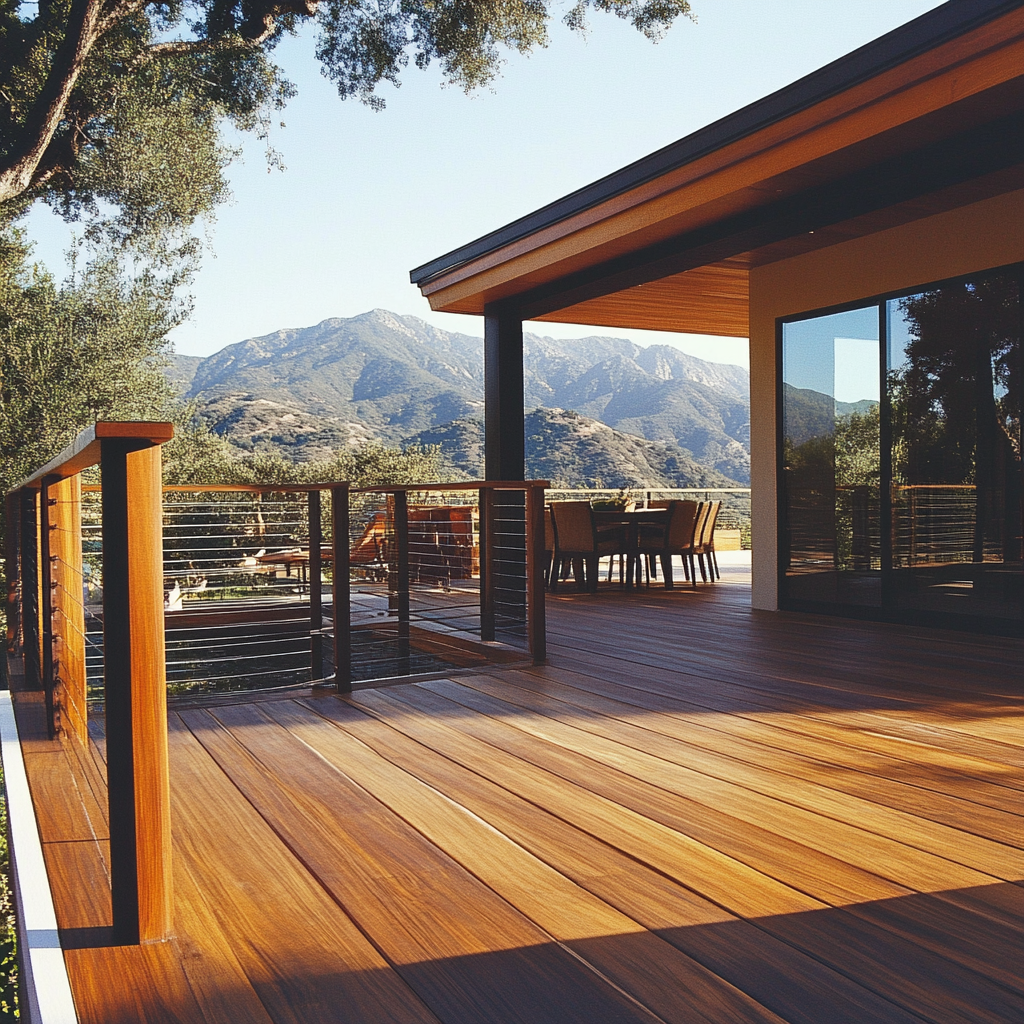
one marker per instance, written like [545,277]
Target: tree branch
[46,113]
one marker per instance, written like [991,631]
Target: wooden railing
[47,617]
[44,568]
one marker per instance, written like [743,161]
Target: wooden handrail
[460,485]
[86,449]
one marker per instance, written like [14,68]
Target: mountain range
[398,379]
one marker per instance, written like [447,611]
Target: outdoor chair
[704,543]
[577,539]
[676,537]
[549,543]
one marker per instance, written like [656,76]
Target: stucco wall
[977,237]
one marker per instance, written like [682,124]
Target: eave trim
[927,32]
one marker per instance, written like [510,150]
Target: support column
[504,427]
[69,608]
[136,691]
[505,459]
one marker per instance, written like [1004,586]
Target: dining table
[632,520]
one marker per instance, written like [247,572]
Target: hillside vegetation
[572,450]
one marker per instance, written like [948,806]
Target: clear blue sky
[368,196]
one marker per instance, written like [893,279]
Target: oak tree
[110,109]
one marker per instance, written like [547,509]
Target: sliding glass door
[900,476]
[830,440]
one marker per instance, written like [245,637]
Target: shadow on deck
[692,812]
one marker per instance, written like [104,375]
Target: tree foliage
[109,109]
[956,397]
[70,354]
[198,456]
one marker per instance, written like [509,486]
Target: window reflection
[945,535]
[831,463]
[954,386]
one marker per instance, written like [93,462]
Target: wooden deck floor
[693,813]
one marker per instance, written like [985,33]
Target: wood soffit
[707,300]
[973,79]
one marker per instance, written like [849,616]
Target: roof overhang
[926,118]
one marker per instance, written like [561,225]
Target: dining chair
[676,537]
[577,538]
[549,543]
[704,543]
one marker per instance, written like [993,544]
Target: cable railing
[936,524]
[932,525]
[246,607]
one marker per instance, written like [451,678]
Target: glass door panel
[954,386]
[830,548]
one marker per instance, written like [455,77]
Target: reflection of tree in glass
[857,449]
[833,483]
[956,400]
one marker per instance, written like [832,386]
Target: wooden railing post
[341,595]
[47,584]
[487,535]
[30,587]
[316,617]
[136,691]
[402,545]
[12,568]
[536,627]
[68,607]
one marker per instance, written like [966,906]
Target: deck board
[693,812]
[803,787]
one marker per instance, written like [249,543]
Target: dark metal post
[341,594]
[886,522]
[504,443]
[536,623]
[486,563]
[46,599]
[402,544]
[505,459]
[316,617]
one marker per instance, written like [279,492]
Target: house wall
[976,237]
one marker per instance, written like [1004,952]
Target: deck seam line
[739,682]
[773,727]
[372,713]
[906,1007]
[752,921]
[624,853]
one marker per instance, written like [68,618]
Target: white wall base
[44,989]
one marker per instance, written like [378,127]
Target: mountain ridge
[384,376]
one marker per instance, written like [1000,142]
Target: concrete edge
[44,988]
